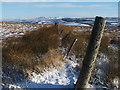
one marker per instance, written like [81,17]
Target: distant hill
[111,21]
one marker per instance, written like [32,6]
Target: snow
[95,86]
[59,77]
[98,78]
[84,25]
[72,23]
[16,29]
[115,47]
[116,82]
[13,86]
[76,24]
[64,76]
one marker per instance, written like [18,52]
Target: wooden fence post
[71,46]
[91,53]
[56,27]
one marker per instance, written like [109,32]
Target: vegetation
[32,50]
[41,48]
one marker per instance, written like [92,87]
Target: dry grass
[39,49]
[35,49]
[80,49]
[19,23]
[112,70]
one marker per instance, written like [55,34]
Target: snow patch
[54,77]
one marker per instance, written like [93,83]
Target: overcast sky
[12,10]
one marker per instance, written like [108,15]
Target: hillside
[33,56]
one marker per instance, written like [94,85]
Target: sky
[59,0]
[12,10]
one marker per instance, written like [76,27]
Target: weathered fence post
[56,27]
[91,53]
[71,46]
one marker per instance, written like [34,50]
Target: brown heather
[39,49]
[29,51]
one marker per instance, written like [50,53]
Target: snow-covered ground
[111,21]
[16,29]
[76,24]
[64,76]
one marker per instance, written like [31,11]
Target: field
[32,51]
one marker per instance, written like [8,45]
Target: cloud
[59,0]
[26,0]
[68,5]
